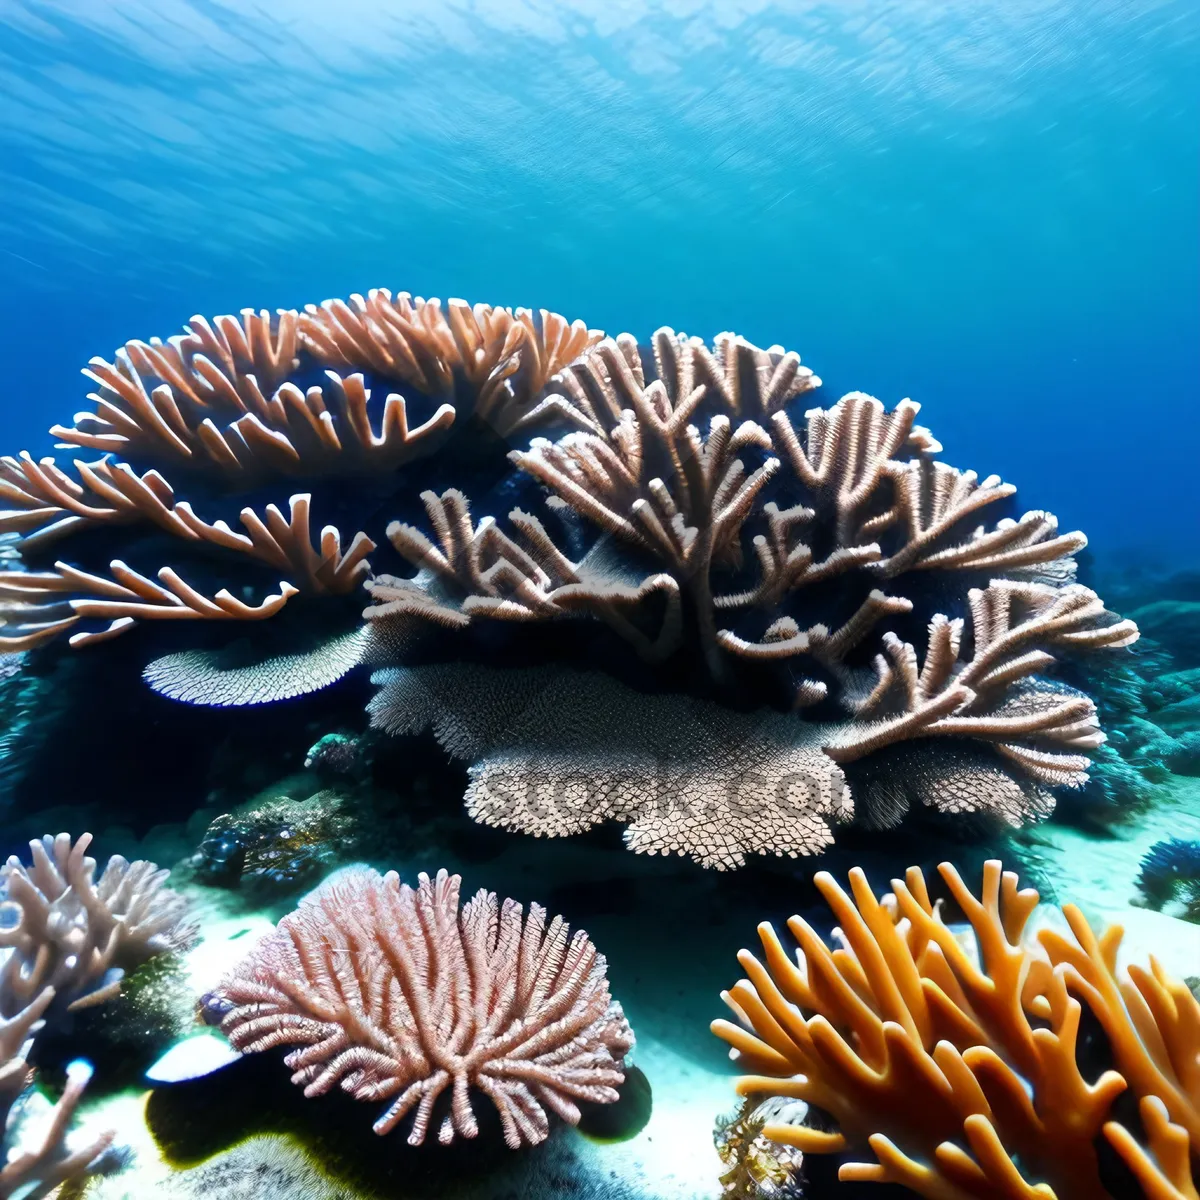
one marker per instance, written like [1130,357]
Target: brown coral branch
[849,451]
[506,357]
[933,500]
[46,603]
[496,577]
[223,404]
[1010,622]
[395,995]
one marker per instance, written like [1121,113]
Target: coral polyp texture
[887,624]
[397,995]
[1004,1067]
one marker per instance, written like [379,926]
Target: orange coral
[958,1072]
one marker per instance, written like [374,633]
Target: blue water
[989,207]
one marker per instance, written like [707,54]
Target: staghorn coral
[30,1171]
[244,403]
[699,537]
[757,563]
[959,1071]
[397,995]
[76,935]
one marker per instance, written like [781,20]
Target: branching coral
[397,995]
[34,1171]
[243,403]
[959,1073]
[755,563]
[66,939]
[692,521]
[77,935]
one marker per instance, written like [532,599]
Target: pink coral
[395,994]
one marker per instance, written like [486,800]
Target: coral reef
[1170,876]
[752,565]
[66,940]
[278,843]
[395,994]
[957,1070]
[701,537]
[66,931]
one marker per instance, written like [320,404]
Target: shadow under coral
[194,1121]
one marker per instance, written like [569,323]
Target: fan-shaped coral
[956,1071]
[396,995]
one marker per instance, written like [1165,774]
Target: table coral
[679,518]
[956,1071]
[397,995]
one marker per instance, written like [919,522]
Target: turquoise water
[988,207]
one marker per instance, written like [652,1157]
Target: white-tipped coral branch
[238,433]
[395,995]
[990,697]
[37,1169]
[480,572]
[506,356]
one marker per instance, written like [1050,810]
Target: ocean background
[989,207]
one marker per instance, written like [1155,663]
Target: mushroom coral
[962,1069]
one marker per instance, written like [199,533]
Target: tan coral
[958,1074]
[395,995]
[1043,730]
[506,356]
[41,605]
[238,433]
[499,578]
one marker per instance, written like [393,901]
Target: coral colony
[958,1074]
[816,584]
[655,585]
